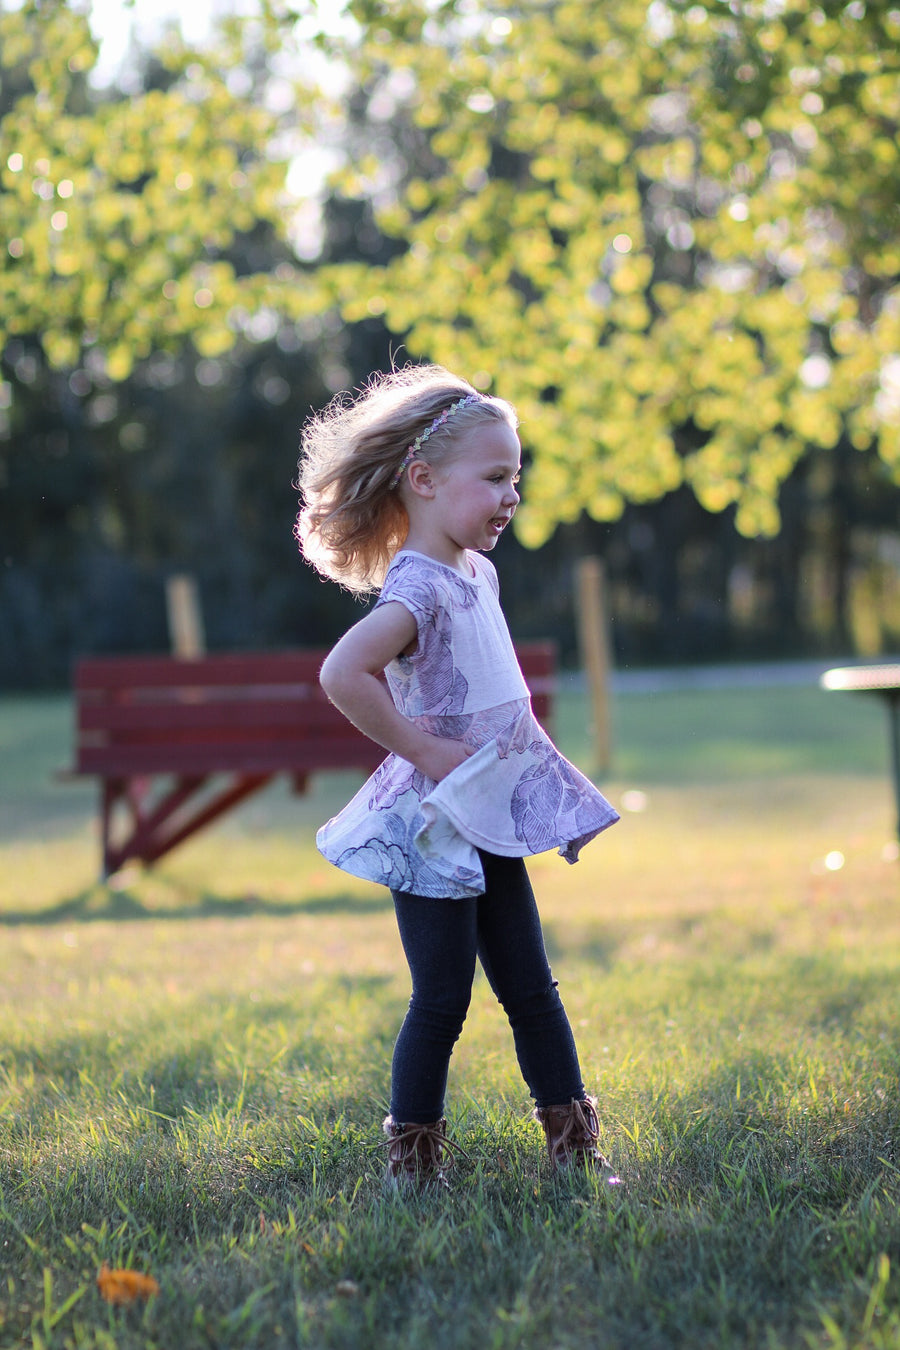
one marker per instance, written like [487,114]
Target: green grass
[195,1062]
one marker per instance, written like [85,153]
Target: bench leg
[112,791]
[241,787]
[132,794]
[154,829]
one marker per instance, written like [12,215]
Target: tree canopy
[119,212]
[667,232]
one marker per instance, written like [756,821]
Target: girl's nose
[512,495]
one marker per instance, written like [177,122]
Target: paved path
[759,675]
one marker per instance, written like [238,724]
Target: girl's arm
[349,677]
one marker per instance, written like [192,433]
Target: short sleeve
[409,586]
[428,681]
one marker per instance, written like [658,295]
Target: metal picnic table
[881,680]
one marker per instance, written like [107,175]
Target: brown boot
[418,1155]
[572,1132]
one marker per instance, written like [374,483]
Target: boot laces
[580,1131]
[420,1148]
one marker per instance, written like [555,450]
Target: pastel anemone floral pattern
[515,795]
[392,857]
[545,794]
[429,681]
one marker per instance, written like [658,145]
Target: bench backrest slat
[253,712]
[226,718]
[237,670]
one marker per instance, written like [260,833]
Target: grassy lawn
[194,1064]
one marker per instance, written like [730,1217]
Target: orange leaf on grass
[124,1286]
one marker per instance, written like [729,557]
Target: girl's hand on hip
[439,757]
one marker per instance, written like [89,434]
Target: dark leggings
[441,939]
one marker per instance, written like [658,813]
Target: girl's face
[475,490]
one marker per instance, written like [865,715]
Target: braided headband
[438,422]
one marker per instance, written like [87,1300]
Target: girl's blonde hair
[352,519]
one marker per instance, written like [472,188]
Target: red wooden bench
[176,743]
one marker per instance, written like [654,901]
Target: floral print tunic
[515,795]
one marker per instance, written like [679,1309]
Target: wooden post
[593,643]
[186,634]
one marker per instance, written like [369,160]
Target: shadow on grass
[167,1069]
[102,903]
[783,1160]
[734,1230]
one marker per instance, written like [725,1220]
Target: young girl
[405,488]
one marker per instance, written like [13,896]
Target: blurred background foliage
[668,232]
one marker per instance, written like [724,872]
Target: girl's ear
[420,478]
